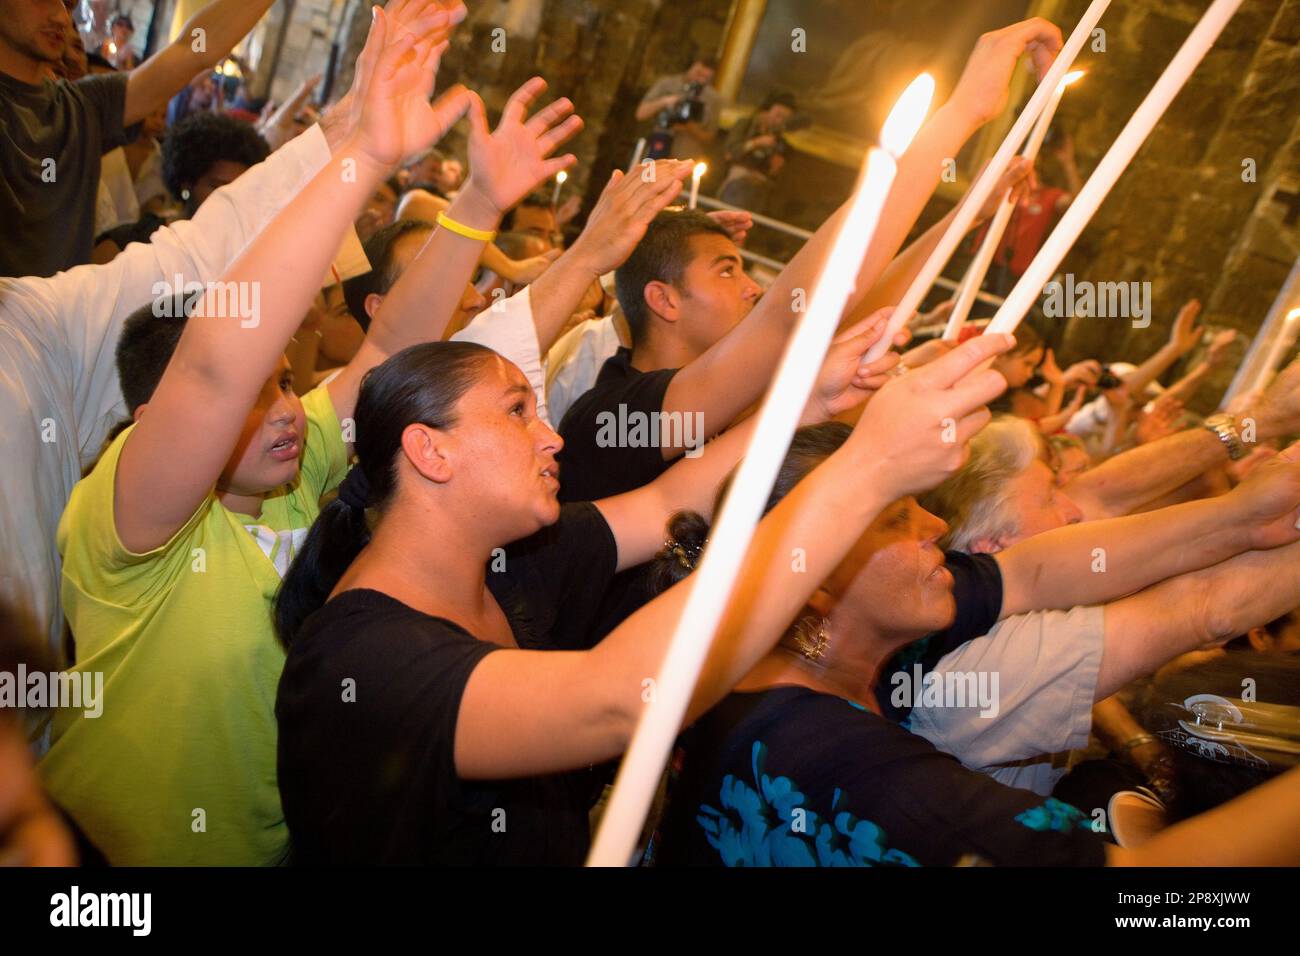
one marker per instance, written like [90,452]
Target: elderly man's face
[1036,505]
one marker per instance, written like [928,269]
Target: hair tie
[355,489]
[685,555]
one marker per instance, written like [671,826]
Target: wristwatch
[1225,427]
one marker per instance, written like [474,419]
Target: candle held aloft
[1112,166]
[560,178]
[696,175]
[733,529]
[984,183]
[979,267]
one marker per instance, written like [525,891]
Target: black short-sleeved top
[591,467]
[367,711]
[977,592]
[794,777]
[51,139]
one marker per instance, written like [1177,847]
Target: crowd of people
[306,419]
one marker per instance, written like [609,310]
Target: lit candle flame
[700,169]
[908,114]
[1069,78]
[561,177]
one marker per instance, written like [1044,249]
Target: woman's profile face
[504,455]
[894,578]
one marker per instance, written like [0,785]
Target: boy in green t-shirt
[174,545]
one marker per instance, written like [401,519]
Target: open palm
[507,163]
[395,77]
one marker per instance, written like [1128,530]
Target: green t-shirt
[180,767]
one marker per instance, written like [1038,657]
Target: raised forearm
[1130,479]
[556,295]
[1099,561]
[1152,369]
[221,24]
[421,304]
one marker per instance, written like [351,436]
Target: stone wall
[1197,212]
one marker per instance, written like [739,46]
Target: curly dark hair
[201,140]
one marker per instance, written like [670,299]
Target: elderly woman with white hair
[1006,497]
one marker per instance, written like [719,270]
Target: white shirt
[59,392]
[574,363]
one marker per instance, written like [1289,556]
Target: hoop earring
[812,637]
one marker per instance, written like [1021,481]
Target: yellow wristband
[463,230]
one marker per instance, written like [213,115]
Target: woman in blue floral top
[797,767]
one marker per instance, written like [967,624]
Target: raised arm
[638,518]
[1132,478]
[1192,611]
[226,355]
[526,713]
[505,164]
[1183,337]
[205,40]
[731,375]
[1099,561]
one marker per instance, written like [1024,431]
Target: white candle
[1112,165]
[1267,349]
[696,175]
[979,267]
[560,177]
[983,185]
[636,156]
[734,528]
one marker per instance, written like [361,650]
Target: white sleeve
[1042,668]
[574,362]
[507,327]
[83,309]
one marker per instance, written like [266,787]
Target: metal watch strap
[1225,429]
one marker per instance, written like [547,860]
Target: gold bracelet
[461,229]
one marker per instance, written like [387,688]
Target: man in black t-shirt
[682,291]
[53,132]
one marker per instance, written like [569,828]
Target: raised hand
[1267,502]
[507,163]
[846,380]
[390,114]
[1186,334]
[737,222]
[918,425]
[981,92]
[626,207]
[1017,177]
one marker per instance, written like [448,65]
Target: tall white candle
[979,267]
[560,178]
[1112,165]
[636,156]
[696,175]
[734,528]
[984,183]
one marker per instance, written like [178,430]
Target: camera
[689,109]
[1108,379]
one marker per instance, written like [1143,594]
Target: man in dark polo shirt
[53,132]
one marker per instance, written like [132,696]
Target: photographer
[685,109]
[756,152]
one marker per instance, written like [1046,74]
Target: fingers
[970,425]
[478,122]
[551,140]
[554,166]
[979,388]
[517,106]
[946,370]
[871,326]
[369,58]
[549,115]
[452,105]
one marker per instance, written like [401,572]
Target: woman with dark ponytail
[441,673]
